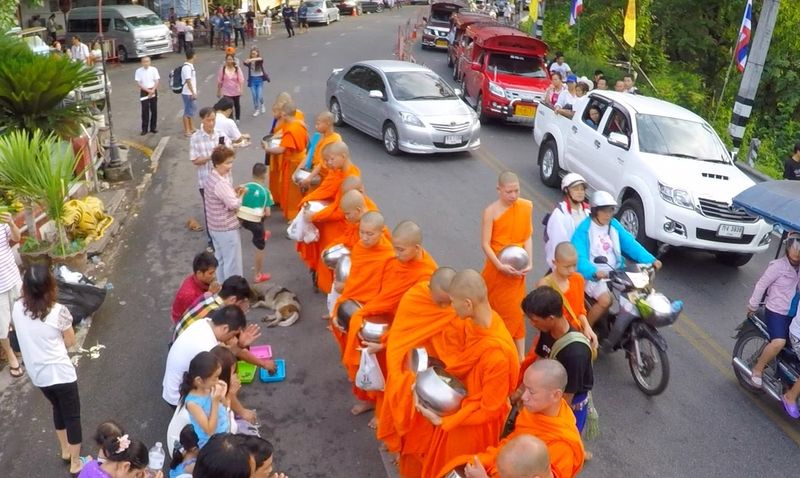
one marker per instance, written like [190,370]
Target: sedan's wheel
[390,139]
[379,8]
[548,164]
[122,53]
[336,111]
[631,216]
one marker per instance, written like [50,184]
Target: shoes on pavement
[154,131]
[256,113]
[143,133]
[263,108]
[262,277]
[267,235]
[790,407]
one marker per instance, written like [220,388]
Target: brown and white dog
[283,304]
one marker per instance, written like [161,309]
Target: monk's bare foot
[373,423]
[325,317]
[588,455]
[362,407]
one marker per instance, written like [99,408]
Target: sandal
[757,380]
[791,408]
[19,371]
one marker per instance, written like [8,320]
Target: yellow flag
[629,33]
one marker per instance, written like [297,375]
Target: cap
[588,82]
[572,78]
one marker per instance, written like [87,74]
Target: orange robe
[513,227]
[559,433]
[316,159]
[573,296]
[488,367]
[276,162]
[295,140]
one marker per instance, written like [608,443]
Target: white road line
[342,34]
[314,54]
[179,114]
[327,43]
[297,89]
[305,68]
[209,77]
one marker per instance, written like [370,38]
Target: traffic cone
[355,11]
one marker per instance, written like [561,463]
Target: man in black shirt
[791,168]
[557,340]
[288,15]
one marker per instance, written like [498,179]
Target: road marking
[342,34]
[297,89]
[179,114]
[714,353]
[138,146]
[327,43]
[209,77]
[314,54]
[305,68]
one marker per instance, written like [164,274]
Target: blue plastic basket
[280,373]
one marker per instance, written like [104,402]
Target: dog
[281,301]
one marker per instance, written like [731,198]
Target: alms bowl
[439,391]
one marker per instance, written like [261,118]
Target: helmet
[572,179]
[602,199]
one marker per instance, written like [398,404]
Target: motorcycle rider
[566,216]
[601,235]
[780,283]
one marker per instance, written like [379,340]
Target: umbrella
[776,201]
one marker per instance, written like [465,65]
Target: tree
[8,12]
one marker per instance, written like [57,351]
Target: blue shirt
[302,12]
[204,402]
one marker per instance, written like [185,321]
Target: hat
[588,82]
[572,78]
[223,104]
[230,50]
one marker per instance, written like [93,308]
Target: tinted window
[150,20]
[374,82]
[120,25]
[520,65]
[357,76]
[86,25]
[617,123]
[418,85]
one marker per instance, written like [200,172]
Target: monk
[274,161]
[424,318]
[292,149]
[488,367]
[544,414]
[507,222]
[323,124]
[524,456]
[411,264]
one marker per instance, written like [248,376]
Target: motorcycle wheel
[652,378]
[748,348]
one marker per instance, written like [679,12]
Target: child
[257,197]
[124,457]
[105,432]
[185,455]
[204,396]
[201,280]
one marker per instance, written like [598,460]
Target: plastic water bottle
[156,457]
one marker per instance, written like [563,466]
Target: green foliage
[31,245]
[8,9]
[33,89]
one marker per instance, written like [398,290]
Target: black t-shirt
[575,357]
[791,169]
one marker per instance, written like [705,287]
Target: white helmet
[571,179]
[602,199]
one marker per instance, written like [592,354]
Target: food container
[417,360]
[514,256]
[261,351]
[278,376]
[331,255]
[254,202]
[300,174]
[271,141]
[246,371]
[439,391]
[345,311]
[375,328]
[316,206]
[457,472]
[342,270]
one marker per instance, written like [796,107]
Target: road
[703,425]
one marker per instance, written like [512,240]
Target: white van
[137,31]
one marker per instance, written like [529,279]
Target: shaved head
[351,183]
[565,250]
[339,147]
[524,457]
[353,206]
[288,108]
[370,228]
[550,373]
[408,232]
[373,219]
[469,284]
[325,116]
[440,285]
[507,177]
[282,98]
[543,387]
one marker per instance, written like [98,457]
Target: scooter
[636,313]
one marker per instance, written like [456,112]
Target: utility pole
[745,99]
[539,28]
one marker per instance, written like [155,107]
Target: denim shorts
[189,105]
[777,324]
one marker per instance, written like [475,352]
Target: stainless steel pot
[345,311]
[331,255]
[300,174]
[375,328]
[342,270]
[439,391]
[514,256]
[457,472]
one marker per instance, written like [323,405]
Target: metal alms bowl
[331,255]
[439,391]
[345,311]
[457,472]
[300,174]
[375,328]
[514,256]
[419,359]
[316,206]
[342,270]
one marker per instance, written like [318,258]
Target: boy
[260,236]
[302,18]
[200,281]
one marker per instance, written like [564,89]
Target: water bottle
[156,457]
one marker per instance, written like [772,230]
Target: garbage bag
[82,300]
[369,376]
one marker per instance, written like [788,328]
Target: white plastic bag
[369,376]
[301,230]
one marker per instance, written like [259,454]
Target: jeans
[257,91]
[228,251]
[66,409]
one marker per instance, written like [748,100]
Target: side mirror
[619,140]
[457,91]
[475,66]
[601,260]
[376,94]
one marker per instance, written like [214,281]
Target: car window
[144,21]
[374,82]
[419,85]
[519,65]
[120,25]
[678,137]
[357,76]
[329,4]
[600,106]
[617,123]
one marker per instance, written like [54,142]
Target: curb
[155,158]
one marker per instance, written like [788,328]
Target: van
[136,30]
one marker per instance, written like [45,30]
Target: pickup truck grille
[523,95]
[724,211]
[450,128]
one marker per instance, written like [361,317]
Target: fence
[406,36]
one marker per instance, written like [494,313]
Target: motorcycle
[636,313]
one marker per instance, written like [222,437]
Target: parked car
[322,11]
[668,169]
[408,106]
[437,23]
[349,7]
[458,24]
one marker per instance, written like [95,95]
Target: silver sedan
[408,106]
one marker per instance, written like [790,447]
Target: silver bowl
[418,360]
[439,391]
[316,206]
[375,328]
[514,256]
[457,472]
[345,311]
[342,270]
[300,174]
[331,255]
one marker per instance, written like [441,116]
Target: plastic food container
[246,371]
[280,373]
[262,351]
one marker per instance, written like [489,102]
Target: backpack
[176,80]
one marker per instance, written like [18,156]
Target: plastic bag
[300,230]
[369,376]
[82,300]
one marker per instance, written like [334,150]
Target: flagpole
[724,87]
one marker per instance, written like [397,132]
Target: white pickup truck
[671,174]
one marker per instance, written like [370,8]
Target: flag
[575,11]
[743,43]
[629,34]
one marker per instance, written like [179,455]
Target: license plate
[452,139]
[525,110]
[726,230]
[441,43]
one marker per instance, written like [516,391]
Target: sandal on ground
[757,380]
[790,407]
[262,277]
[16,372]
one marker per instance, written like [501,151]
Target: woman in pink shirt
[230,82]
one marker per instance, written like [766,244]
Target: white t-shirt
[566,98]
[42,345]
[80,52]
[188,75]
[199,337]
[601,244]
[189,33]
[561,69]
[146,77]
[227,126]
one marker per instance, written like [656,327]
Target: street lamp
[113,148]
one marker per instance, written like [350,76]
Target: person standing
[189,93]
[52,29]
[79,51]
[215,26]
[201,145]
[250,22]
[256,74]
[180,29]
[302,18]
[791,168]
[10,281]
[44,330]
[147,78]
[238,28]
[560,66]
[230,82]
[288,14]
[222,201]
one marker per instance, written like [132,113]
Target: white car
[321,11]
[668,169]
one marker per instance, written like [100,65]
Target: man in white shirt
[225,125]
[147,79]
[79,51]
[189,93]
[566,99]
[560,66]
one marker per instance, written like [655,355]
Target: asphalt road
[703,425]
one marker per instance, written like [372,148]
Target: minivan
[136,30]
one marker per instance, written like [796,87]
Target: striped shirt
[199,310]
[202,145]
[221,203]
[9,272]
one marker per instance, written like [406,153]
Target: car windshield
[419,85]
[519,65]
[680,138]
[313,4]
[144,21]
[441,16]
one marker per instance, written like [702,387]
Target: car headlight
[429,31]
[678,197]
[410,119]
[497,90]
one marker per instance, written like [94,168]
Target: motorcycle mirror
[601,260]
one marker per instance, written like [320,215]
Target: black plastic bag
[82,300]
